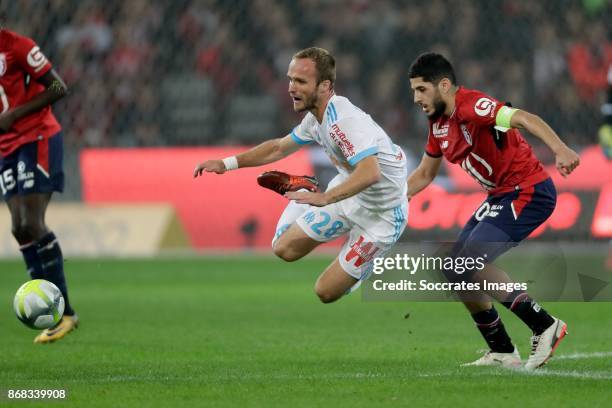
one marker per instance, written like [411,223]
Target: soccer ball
[39,304]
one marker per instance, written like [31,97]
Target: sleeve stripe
[331,113]
[362,155]
[333,108]
[297,140]
[504,115]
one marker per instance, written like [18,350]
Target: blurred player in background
[31,159]
[481,134]
[366,200]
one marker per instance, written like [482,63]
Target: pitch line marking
[580,356]
[590,375]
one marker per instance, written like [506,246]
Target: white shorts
[370,234]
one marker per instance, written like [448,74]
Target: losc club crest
[2,64]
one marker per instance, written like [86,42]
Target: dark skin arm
[55,90]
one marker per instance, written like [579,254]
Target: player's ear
[325,86]
[444,85]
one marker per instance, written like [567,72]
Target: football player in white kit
[367,199]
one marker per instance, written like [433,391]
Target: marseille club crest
[2,63]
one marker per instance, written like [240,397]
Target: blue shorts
[35,167]
[502,221]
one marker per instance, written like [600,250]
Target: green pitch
[249,331]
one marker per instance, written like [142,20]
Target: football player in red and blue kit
[31,161]
[480,133]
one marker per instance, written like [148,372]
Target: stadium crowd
[147,73]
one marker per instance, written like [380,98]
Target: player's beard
[439,107]
[310,103]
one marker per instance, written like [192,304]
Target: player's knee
[22,232]
[27,231]
[327,297]
[285,252]
[17,232]
[325,294]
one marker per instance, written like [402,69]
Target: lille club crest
[2,64]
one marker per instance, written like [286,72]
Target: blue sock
[51,263]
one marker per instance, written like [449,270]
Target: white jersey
[349,135]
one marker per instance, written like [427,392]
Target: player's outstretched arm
[566,159]
[55,90]
[424,174]
[366,173]
[264,153]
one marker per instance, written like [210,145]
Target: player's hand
[566,161]
[306,197]
[209,166]
[6,121]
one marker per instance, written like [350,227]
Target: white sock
[292,212]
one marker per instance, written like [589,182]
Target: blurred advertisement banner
[438,214]
[602,219]
[107,230]
[232,211]
[218,211]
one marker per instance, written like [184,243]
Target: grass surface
[249,331]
